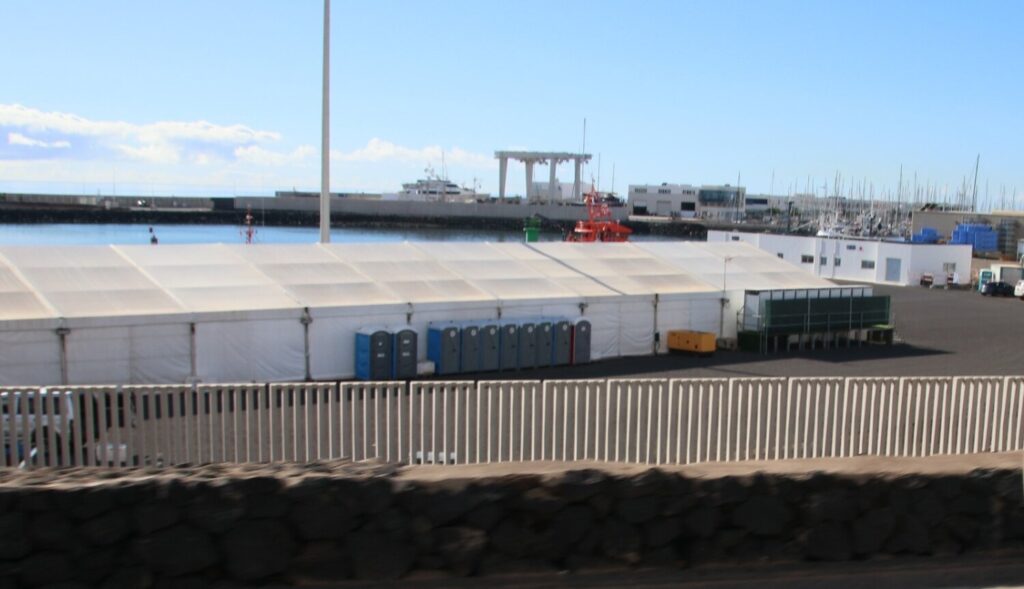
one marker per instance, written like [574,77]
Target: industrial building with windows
[720,203]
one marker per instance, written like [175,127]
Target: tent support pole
[192,352]
[306,319]
[62,333]
[657,337]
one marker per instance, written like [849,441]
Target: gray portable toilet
[470,354]
[490,347]
[405,351]
[561,342]
[581,341]
[527,344]
[509,345]
[443,348]
[544,342]
[373,354]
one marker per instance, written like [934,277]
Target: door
[892,269]
[664,208]
[380,355]
[490,352]
[470,348]
[405,354]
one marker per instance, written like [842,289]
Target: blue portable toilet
[443,347]
[373,354]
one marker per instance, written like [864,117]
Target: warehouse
[258,313]
[863,260]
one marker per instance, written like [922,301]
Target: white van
[1018,291]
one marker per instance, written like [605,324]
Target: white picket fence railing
[646,421]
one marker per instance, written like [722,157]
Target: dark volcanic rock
[662,531]
[764,516]
[379,557]
[621,541]
[513,539]
[257,549]
[106,529]
[872,530]
[14,542]
[461,548]
[828,541]
[320,520]
[569,526]
[45,568]
[178,550]
[50,530]
[150,517]
[702,521]
[320,562]
[637,510]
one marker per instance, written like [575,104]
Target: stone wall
[278,524]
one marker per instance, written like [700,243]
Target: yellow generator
[693,342]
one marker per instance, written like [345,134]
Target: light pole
[724,300]
[325,141]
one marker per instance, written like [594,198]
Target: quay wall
[286,524]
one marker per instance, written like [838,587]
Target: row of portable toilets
[473,346]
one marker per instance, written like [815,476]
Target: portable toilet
[985,276]
[490,347]
[373,354]
[544,342]
[469,342]
[508,345]
[443,347]
[561,342]
[581,341]
[404,351]
[527,344]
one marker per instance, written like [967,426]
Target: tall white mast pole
[325,144]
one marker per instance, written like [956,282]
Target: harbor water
[139,234]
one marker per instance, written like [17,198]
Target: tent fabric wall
[129,309]
[255,350]
[133,354]
[29,357]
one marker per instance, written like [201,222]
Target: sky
[192,97]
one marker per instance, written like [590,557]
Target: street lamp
[724,300]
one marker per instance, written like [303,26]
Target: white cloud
[154,153]
[19,139]
[16,115]
[254,154]
[379,150]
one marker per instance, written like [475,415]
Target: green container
[531,230]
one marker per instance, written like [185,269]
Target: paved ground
[944,333]
[902,573]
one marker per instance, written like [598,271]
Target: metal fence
[647,421]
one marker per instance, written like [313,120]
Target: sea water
[139,234]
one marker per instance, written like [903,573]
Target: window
[640,190]
[949,267]
[823,261]
[664,191]
[781,257]
[867,264]
[806,259]
[735,237]
[836,261]
[687,206]
[851,247]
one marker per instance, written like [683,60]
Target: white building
[687,201]
[861,260]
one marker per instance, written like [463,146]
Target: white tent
[219,313]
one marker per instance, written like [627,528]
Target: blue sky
[223,97]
